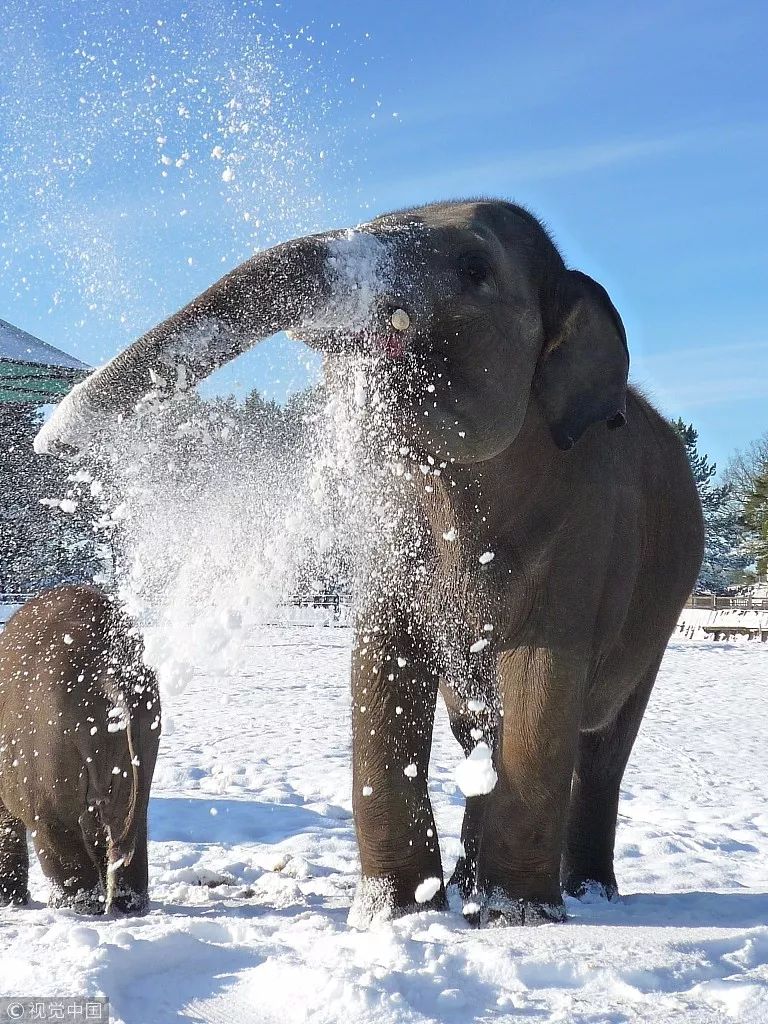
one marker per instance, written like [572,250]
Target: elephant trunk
[277,289]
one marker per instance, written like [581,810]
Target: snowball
[68,639]
[367,790]
[450,535]
[410,771]
[476,705]
[476,775]
[486,557]
[427,889]
[479,645]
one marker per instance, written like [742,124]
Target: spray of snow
[218,516]
[360,266]
[220,132]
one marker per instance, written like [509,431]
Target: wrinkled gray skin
[513,373]
[70,667]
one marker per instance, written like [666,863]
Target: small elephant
[548,523]
[79,733]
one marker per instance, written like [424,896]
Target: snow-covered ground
[253,866]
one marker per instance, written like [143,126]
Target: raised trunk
[274,290]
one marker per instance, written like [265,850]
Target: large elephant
[557,552]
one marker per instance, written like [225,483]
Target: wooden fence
[713,602]
[716,602]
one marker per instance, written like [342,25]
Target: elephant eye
[474,270]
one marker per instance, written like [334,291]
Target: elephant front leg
[393,708]
[526,815]
[471,722]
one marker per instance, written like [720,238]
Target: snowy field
[253,867]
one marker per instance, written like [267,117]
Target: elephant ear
[581,377]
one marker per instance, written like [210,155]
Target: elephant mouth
[389,345]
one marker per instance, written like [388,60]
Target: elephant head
[466,308]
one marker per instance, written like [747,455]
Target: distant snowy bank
[692,620]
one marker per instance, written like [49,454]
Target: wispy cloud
[705,353]
[561,161]
[703,376]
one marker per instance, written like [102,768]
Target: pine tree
[724,549]
[756,517]
[40,544]
[747,474]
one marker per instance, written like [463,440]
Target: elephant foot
[463,881]
[498,910]
[84,901]
[381,899]
[460,901]
[463,897]
[590,890]
[14,897]
[128,901]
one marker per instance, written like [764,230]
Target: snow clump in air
[476,776]
[427,889]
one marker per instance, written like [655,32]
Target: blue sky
[148,147]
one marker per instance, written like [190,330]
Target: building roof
[32,371]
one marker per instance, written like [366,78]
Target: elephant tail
[123,813]
[121,847]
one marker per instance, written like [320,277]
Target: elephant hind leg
[70,867]
[96,842]
[587,864]
[14,860]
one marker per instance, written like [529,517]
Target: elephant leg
[96,842]
[69,866]
[469,727]
[525,820]
[14,860]
[128,885]
[587,865]
[393,708]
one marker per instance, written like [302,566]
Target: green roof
[33,371]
